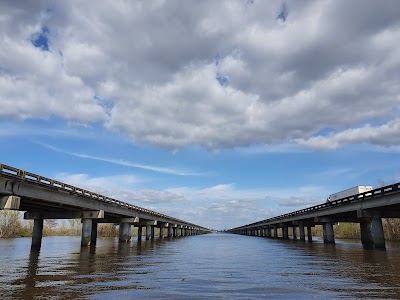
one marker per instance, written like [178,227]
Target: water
[213,266]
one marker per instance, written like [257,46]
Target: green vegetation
[10,224]
[391,228]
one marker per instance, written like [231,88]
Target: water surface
[212,266]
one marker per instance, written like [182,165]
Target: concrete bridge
[367,209]
[44,198]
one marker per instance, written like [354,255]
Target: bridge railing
[389,189]
[44,181]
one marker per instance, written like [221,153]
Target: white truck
[349,192]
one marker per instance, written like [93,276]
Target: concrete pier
[294,233]
[37,233]
[285,230]
[309,234]
[139,232]
[302,233]
[93,239]
[170,231]
[328,233]
[377,233]
[366,234]
[125,232]
[275,232]
[148,232]
[86,232]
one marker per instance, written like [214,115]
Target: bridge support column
[86,232]
[275,232]
[294,233]
[161,236]
[285,230]
[267,232]
[377,233]
[93,237]
[302,233]
[366,234]
[328,233]
[309,234]
[139,232]
[124,232]
[148,232]
[170,231]
[37,233]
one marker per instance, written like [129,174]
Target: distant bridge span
[367,208]
[44,198]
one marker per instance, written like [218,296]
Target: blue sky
[220,113]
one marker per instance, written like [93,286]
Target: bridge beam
[10,202]
[93,214]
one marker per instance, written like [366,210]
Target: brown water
[213,266]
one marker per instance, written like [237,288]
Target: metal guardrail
[389,189]
[44,181]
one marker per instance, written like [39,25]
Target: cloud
[330,66]
[385,135]
[123,162]
[216,206]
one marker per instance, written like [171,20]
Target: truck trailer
[349,192]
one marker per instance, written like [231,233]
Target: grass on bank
[12,225]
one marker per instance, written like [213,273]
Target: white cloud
[385,135]
[216,206]
[332,65]
[124,162]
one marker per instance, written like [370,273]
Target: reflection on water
[214,266]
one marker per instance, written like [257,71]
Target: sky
[220,113]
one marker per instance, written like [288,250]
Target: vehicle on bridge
[349,192]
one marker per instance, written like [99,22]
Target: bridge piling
[275,231]
[378,233]
[285,230]
[86,232]
[37,233]
[124,232]
[329,236]
[302,233]
[139,232]
[170,231]
[294,232]
[93,239]
[309,234]
[148,232]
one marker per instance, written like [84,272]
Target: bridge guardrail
[44,181]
